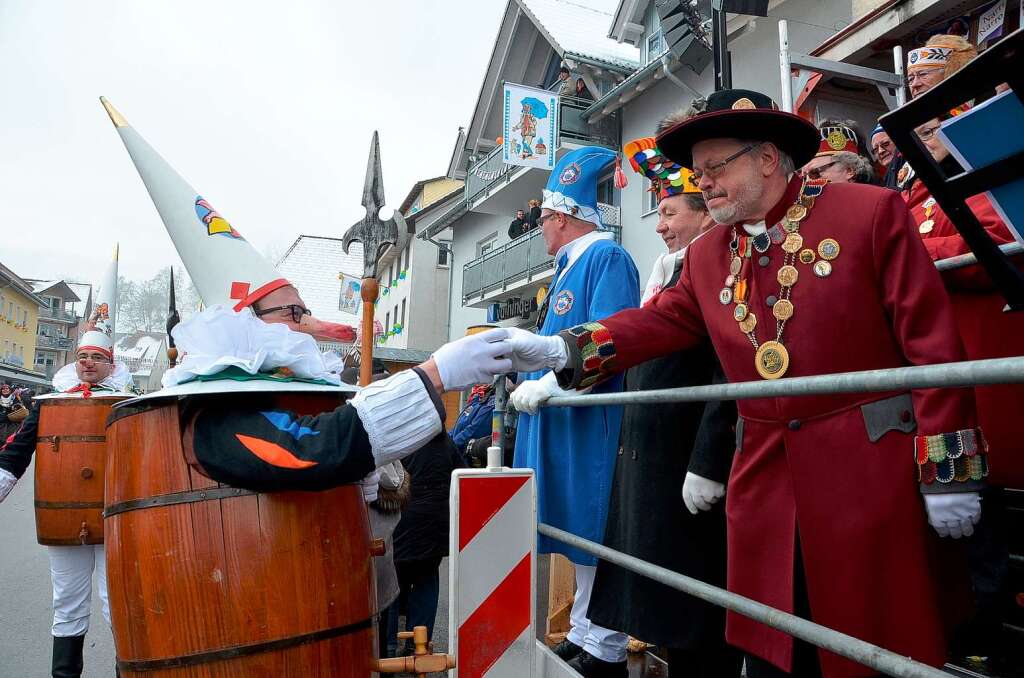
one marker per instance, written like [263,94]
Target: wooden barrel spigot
[421,662]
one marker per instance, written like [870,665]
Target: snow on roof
[139,351]
[83,291]
[582,29]
[312,265]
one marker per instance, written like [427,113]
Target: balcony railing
[57,314]
[56,343]
[490,171]
[519,260]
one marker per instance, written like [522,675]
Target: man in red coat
[825,509]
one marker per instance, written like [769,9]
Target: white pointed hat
[224,267]
[99,328]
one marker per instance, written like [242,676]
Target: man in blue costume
[573,450]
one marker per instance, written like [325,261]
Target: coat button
[764,261]
[905,416]
[794,425]
[771,300]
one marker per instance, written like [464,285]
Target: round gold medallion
[822,268]
[807,255]
[740,312]
[771,360]
[735,265]
[783,309]
[796,212]
[793,243]
[828,249]
[787,276]
[748,324]
[926,226]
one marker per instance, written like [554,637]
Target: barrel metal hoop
[243,650]
[73,439]
[190,497]
[68,504]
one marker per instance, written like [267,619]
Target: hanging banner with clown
[530,126]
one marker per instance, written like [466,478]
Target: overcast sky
[266,108]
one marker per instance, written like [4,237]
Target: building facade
[57,333]
[19,319]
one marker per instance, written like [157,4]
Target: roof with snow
[312,264]
[139,351]
[84,293]
[53,288]
[575,28]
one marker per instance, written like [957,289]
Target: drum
[211,581]
[71,454]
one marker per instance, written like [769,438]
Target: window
[408,250]
[655,45]
[443,254]
[486,245]
[387,322]
[402,323]
[650,199]
[606,192]
[395,314]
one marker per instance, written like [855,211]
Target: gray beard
[724,215]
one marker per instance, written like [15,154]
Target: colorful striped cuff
[951,462]
[591,353]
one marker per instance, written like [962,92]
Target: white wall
[468,231]
[427,316]
[755,65]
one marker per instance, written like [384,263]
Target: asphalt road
[25,599]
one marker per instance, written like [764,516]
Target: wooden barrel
[209,581]
[71,454]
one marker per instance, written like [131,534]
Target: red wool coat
[987,331]
[841,467]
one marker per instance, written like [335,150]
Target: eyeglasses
[544,217]
[94,357]
[296,311]
[882,146]
[924,75]
[927,133]
[715,169]
[815,173]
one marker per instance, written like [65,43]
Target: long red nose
[321,329]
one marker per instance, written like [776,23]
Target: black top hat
[740,114]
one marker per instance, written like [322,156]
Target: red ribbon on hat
[85,388]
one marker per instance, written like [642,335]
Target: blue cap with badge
[572,186]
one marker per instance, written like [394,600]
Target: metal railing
[58,343]
[519,260]
[57,314]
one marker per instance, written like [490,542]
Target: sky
[265,108]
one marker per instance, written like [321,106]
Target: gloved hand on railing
[475,359]
[530,395]
[699,493]
[532,352]
[954,514]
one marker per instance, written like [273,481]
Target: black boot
[67,656]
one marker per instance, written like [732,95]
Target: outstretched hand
[475,359]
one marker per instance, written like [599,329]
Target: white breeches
[603,643]
[71,569]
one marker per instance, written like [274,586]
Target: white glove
[699,493]
[475,359]
[7,481]
[530,395]
[370,484]
[532,352]
[955,514]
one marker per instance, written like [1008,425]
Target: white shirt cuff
[398,414]
[7,481]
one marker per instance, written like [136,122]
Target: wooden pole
[368,291]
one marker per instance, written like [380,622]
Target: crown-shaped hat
[572,186]
[224,267]
[98,332]
[667,178]
[837,139]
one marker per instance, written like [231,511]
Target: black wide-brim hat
[740,114]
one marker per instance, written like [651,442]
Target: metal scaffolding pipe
[945,375]
[858,650]
[965,260]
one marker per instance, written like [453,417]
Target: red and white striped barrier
[493,573]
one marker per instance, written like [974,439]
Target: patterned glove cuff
[952,462]
[591,356]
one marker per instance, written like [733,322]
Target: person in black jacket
[421,538]
[664,449]
[518,225]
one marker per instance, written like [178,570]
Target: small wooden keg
[211,581]
[71,455]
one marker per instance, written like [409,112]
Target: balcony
[54,343]
[60,314]
[490,173]
[518,267]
